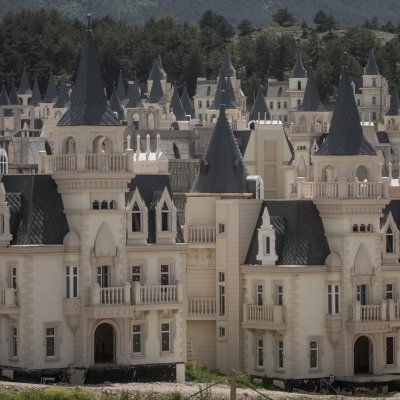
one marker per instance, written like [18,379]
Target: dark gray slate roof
[300,235]
[134,98]
[311,100]
[37,211]
[121,88]
[298,69]
[177,106]
[5,101]
[260,107]
[115,104]
[382,137]
[36,95]
[371,68]
[230,93]
[345,133]
[222,169]
[221,86]
[394,208]
[63,100]
[24,86]
[394,103]
[89,104]
[187,103]
[51,92]
[242,139]
[227,67]
[151,188]
[14,99]
[157,70]
[156,94]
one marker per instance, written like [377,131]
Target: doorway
[363,356]
[104,344]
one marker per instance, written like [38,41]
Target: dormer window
[3,162]
[267,245]
[389,240]
[136,218]
[96,205]
[165,218]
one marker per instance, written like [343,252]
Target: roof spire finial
[89,25]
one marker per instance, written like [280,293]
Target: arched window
[165,218]
[355,228]
[104,205]
[369,228]
[136,218]
[208,91]
[362,173]
[3,162]
[113,205]
[362,228]
[389,240]
[96,205]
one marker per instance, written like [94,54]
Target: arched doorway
[363,355]
[104,344]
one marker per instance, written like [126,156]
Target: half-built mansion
[146,231]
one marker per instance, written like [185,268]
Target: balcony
[152,297]
[309,129]
[264,317]
[371,317]
[202,308]
[9,301]
[110,296]
[204,236]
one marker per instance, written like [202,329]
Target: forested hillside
[45,39]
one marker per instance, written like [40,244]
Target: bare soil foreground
[161,390]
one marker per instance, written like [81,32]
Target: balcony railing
[199,234]
[8,297]
[110,296]
[310,128]
[263,316]
[202,307]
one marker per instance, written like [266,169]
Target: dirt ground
[220,391]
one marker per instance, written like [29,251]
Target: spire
[371,68]
[115,104]
[260,108]
[88,101]
[227,67]
[222,170]
[121,88]
[157,70]
[177,106]
[51,92]
[156,93]
[394,103]
[221,86]
[134,97]
[36,95]
[230,93]
[14,99]
[63,100]
[5,101]
[24,86]
[298,69]
[311,100]
[345,133]
[187,103]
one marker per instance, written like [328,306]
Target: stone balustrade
[8,297]
[268,316]
[202,307]
[110,296]
[199,234]
[309,128]
[157,294]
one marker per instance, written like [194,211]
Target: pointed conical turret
[134,97]
[177,106]
[36,95]
[63,100]
[89,104]
[5,101]
[394,103]
[222,170]
[221,87]
[156,93]
[260,108]
[24,86]
[345,133]
[115,104]
[371,68]
[187,103]
[311,100]
[298,69]
[227,67]
[51,92]
[14,99]
[121,88]
[230,93]
[157,70]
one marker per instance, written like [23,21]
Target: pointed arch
[302,167]
[104,246]
[3,162]
[137,218]
[362,261]
[166,217]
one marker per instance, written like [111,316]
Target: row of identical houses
[284,262]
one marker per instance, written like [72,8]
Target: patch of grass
[198,373]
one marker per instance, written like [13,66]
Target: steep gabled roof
[260,108]
[345,133]
[115,104]
[63,100]
[300,235]
[24,86]
[134,98]
[177,106]
[394,103]
[14,99]
[36,95]
[298,69]
[222,169]
[156,93]
[311,100]
[187,103]
[227,67]
[89,104]
[121,88]
[371,68]
[51,92]
[221,87]
[37,211]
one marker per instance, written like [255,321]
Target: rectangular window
[1,224]
[165,218]
[136,218]
[200,104]
[259,353]
[271,105]
[267,244]
[333,299]
[13,277]
[221,228]
[14,342]
[390,348]
[374,82]
[279,354]
[298,102]
[389,291]
[221,331]
[221,293]
[71,276]
[279,105]
[137,338]
[285,105]
[313,354]
[362,294]
[259,295]
[165,275]
[278,295]
[136,274]
[165,337]
[208,103]
[373,101]
[50,342]
[298,85]
[103,276]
